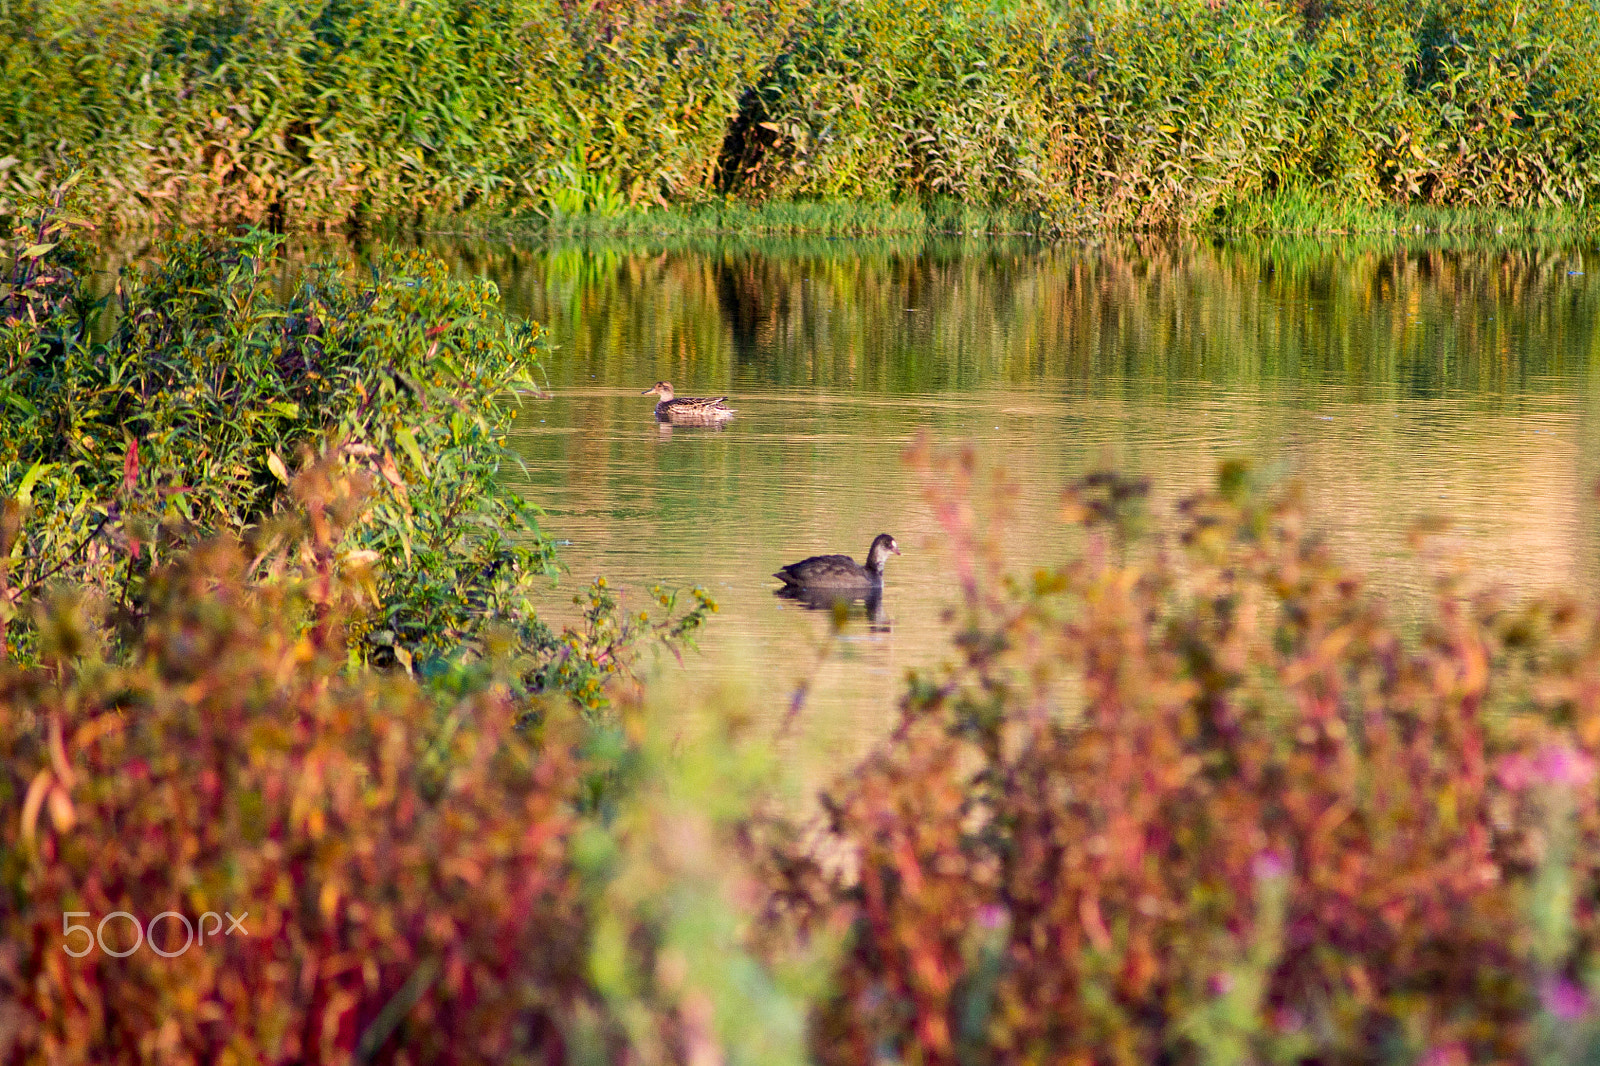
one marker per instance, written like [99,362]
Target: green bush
[185,419]
[177,412]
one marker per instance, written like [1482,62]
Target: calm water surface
[1394,383]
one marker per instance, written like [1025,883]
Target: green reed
[1031,115]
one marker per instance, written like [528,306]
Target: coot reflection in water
[842,602]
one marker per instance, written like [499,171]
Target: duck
[688,410]
[840,571]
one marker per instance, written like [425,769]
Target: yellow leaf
[29,480]
[275,465]
[35,800]
[61,812]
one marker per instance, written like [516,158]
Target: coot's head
[662,389]
[883,546]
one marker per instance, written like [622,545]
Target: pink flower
[1288,1020]
[1563,998]
[991,916]
[1562,764]
[1554,764]
[1445,1055]
[1269,865]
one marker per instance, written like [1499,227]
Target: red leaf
[130,466]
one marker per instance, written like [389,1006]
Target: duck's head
[662,389]
[883,546]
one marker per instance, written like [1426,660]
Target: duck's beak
[649,392]
[895,548]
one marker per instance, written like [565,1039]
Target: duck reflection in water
[664,430]
[842,603]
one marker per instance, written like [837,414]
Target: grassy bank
[1285,214]
[1322,216]
[759,117]
[726,217]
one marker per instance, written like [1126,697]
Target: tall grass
[586,117]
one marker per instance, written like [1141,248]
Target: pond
[1394,382]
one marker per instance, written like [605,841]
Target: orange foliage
[402,859]
[1266,825]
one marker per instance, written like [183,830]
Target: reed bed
[830,116]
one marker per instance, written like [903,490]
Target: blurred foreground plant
[420,879]
[401,858]
[1198,799]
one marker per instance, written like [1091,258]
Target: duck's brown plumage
[688,410]
[840,571]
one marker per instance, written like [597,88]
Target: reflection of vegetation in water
[1367,318]
[1401,377]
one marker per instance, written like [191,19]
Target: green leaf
[23,404]
[29,480]
[408,441]
[36,250]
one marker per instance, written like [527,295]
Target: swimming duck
[840,571]
[688,410]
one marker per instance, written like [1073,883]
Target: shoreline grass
[771,218]
[1285,216]
[1292,214]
